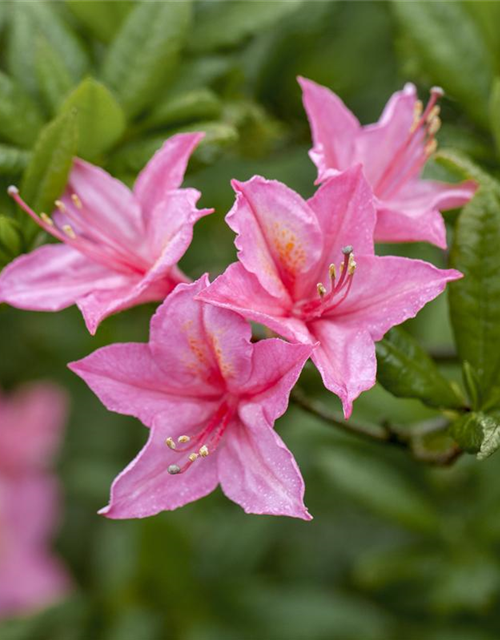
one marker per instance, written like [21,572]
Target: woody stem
[383,434]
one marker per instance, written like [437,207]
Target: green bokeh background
[396,550]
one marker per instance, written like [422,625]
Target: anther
[61,206]
[321,289]
[347,250]
[433,113]
[434,126]
[431,147]
[12,190]
[46,219]
[193,457]
[183,439]
[332,272]
[76,201]
[174,469]
[170,443]
[68,230]
[351,265]
[204,451]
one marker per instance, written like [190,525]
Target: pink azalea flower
[30,429]
[211,400]
[393,153]
[119,248]
[297,274]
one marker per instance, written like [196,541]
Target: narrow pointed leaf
[53,76]
[406,371]
[20,118]
[185,107]
[102,19]
[495,113]
[145,51]
[100,119]
[13,160]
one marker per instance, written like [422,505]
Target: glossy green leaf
[475,299]
[13,160]
[185,107]
[379,488]
[451,50]
[468,432]
[54,78]
[495,112]
[10,237]
[14,101]
[29,19]
[224,24]
[47,173]
[406,371]
[100,119]
[102,19]
[491,435]
[461,165]
[145,51]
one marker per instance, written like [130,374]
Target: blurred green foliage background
[397,549]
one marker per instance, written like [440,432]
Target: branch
[383,434]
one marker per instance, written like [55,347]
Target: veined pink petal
[400,225]
[170,228]
[198,344]
[53,277]
[388,290]
[240,291]
[378,144]
[165,171]
[270,386]
[107,204]
[127,379]
[31,423]
[334,127]
[145,487]
[345,359]
[279,239]
[419,196]
[257,471]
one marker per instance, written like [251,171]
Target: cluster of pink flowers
[31,424]
[307,270]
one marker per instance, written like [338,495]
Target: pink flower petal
[334,128]
[240,291]
[165,171]
[107,205]
[146,487]
[378,144]
[400,225]
[345,359]
[31,426]
[425,195]
[51,278]
[257,471]
[198,344]
[279,239]
[126,378]
[388,290]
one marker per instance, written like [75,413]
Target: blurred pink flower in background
[31,424]
[307,270]
[120,248]
[211,398]
[393,153]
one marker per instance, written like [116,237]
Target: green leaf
[468,431]
[475,299]
[13,160]
[100,119]
[451,51]
[464,167]
[406,371]
[10,236]
[495,113]
[102,19]
[380,488]
[54,78]
[145,51]
[14,103]
[220,25]
[491,435]
[185,107]
[30,18]
[47,173]
[471,384]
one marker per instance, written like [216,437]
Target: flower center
[339,288]
[89,239]
[417,147]
[202,444]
